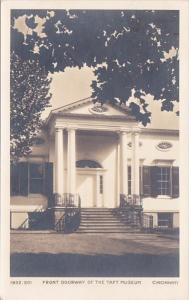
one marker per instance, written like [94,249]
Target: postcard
[94,150]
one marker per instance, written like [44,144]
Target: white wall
[32,202]
[160,204]
[102,147]
[149,151]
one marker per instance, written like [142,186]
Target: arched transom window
[85,163]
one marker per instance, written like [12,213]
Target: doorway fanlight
[85,163]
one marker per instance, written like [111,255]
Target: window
[164,146]
[101,184]
[129,180]
[160,180]
[165,220]
[85,163]
[163,180]
[34,178]
[36,175]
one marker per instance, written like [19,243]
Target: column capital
[124,130]
[58,129]
[136,131]
[71,128]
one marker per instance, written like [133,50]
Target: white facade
[114,140]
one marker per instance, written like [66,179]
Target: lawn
[123,255]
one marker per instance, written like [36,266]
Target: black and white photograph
[95,177]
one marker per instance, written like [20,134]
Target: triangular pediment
[87,107]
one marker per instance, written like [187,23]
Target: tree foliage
[29,94]
[125,48]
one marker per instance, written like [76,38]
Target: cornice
[160,131]
[95,116]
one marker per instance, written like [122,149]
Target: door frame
[96,172]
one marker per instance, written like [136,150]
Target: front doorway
[89,183]
[86,189]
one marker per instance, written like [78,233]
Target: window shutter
[146,178]
[24,182]
[154,184]
[175,182]
[48,182]
[14,179]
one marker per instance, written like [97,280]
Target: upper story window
[98,108]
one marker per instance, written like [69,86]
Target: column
[135,178]
[117,200]
[71,168]
[59,161]
[123,162]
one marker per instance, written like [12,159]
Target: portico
[91,177]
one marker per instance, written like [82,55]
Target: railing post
[151,221]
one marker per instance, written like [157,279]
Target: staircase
[104,220]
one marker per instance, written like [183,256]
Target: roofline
[53,111]
[96,116]
[82,101]
[72,104]
[160,130]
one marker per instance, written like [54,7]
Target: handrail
[130,212]
[67,200]
[28,219]
[71,205]
[130,200]
[60,225]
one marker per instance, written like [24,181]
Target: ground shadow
[79,265]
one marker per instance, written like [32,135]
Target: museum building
[101,158]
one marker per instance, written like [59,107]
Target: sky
[74,84]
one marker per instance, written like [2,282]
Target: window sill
[37,195]
[164,197]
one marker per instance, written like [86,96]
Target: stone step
[100,222]
[109,230]
[104,220]
[90,213]
[98,217]
[97,208]
[108,226]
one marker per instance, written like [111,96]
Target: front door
[86,189]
